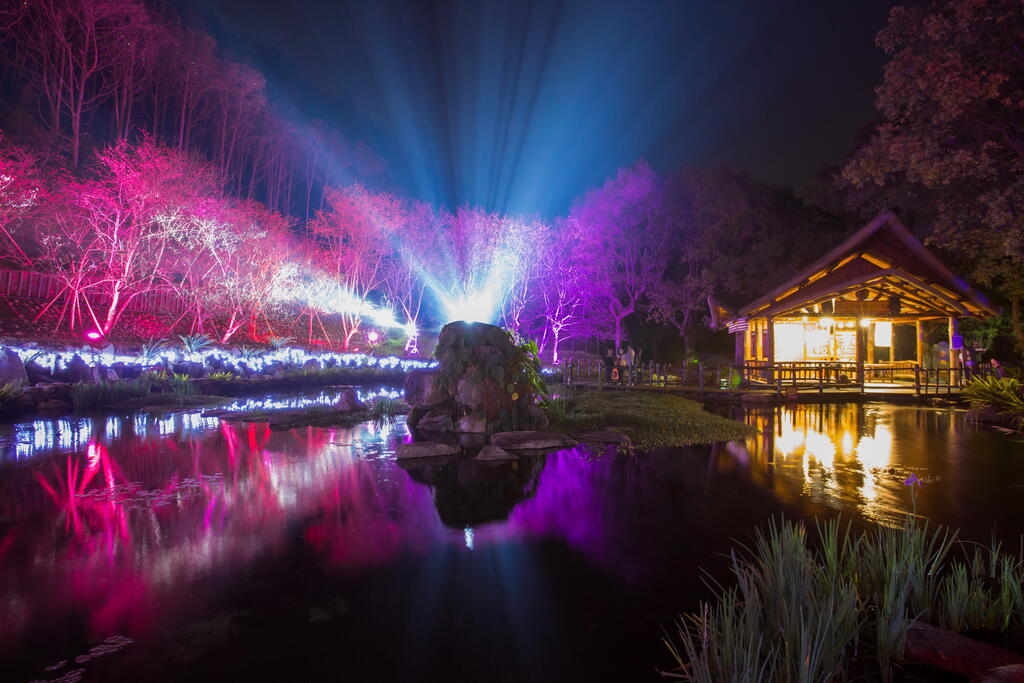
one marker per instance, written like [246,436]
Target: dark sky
[521,106]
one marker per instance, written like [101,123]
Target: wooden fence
[23,284]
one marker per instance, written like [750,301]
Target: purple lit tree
[621,244]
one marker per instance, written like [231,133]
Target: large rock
[436,420]
[531,441]
[471,424]
[421,389]
[37,373]
[78,370]
[461,334]
[349,402]
[424,449]
[12,369]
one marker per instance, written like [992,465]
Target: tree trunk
[1018,324]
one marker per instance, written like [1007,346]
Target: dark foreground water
[202,550]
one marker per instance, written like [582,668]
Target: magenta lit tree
[111,238]
[619,236]
[353,230]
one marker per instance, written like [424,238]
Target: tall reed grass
[805,609]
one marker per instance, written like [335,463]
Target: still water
[143,548]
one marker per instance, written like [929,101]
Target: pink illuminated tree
[111,238]
[352,231]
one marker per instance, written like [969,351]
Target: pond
[212,550]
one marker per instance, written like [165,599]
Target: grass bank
[650,419]
[228,384]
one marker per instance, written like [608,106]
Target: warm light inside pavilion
[865,303]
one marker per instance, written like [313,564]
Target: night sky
[521,106]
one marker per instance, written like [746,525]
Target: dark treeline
[82,74]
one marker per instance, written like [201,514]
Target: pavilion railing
[783,377]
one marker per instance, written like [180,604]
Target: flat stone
[1012,673]
[493,452]
[531,441]
[601,436]
[424,449]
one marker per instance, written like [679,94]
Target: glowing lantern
[373,337]
[93,335]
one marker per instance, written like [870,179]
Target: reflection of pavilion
[857,316]
[834,453]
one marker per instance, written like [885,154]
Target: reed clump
[815,609]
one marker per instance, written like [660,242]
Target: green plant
[194,343]
[1002,394]
[247,353]
[88,395]
[557,409]
[822,601]
[181,385]
[278,343]
[151,350]
[386,410]
[223,376]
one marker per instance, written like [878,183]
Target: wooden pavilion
[838,322]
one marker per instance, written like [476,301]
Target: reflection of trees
[469,493]
[119,528]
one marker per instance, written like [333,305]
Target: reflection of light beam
[469,537]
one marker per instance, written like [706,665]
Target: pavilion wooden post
[954,354]
[861,353]
[769,349]
[740,351]
[919,328]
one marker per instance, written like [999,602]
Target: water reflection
[25,440]
[108,523]
[855,457]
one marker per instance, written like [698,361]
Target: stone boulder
[471,390]
[421,389]
[191,369]
[101,374]
[471,424]
[311,364]
[435,420]
[531,440]
[349,402]
[37,373]
[12,369]
[424,449]
[78,370]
